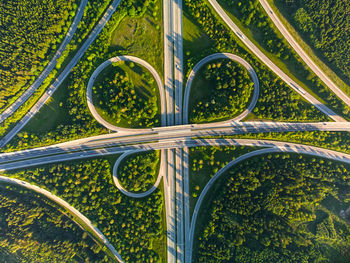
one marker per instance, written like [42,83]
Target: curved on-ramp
[290,82]
[58,81]
[67,206]
[131,194]
[103,66]
[205,60]
[274,147]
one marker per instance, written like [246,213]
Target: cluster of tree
[255,18]
[276,101]
[228,89]
[31,32]
[82,123]
[92,13]
[121,102]
[133,226]
[325,26]
[206,162]
[277,208]
[138,172]
[32,230]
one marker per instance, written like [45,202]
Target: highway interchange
[175,136]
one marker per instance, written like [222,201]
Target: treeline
[277,208]
[122,102]
[133,226]
[222,90]
[276,101]
[34,231]
[31,32]
[139,172]
[325,26]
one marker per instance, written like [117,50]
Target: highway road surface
[181,132]
[169,191]
[215,56]
[29,92]
[62,76]
[178,59]
[97,233]
[295,86]
[312,65]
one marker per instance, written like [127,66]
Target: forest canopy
[326,26]
[277,208]
[30,33]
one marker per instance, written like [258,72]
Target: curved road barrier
[131,194]
[306,95]
[213,57]
[115,60]
[67,206]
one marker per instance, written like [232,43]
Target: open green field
[194,39]
[276,208]
[141,36]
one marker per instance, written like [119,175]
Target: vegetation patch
[277,208]
[220,91]
[134,227]
[277,101]
[324,25]
[205,162]
[33,229]
[125,95]
[31,32]
[139,172]
[255,22]
[78,121]
[140,34]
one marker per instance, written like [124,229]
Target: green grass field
[141,37]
